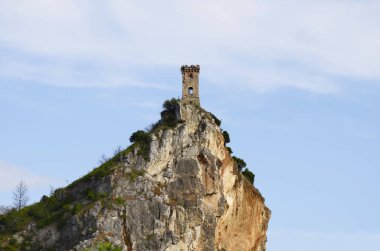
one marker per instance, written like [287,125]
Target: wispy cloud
[262,45]
[11,176]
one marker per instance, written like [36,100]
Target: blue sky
[296,84]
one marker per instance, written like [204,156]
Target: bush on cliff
[168,115]
[226,137]
[249,175]
[217,121]
[142,140]
[139,136]
[240,163]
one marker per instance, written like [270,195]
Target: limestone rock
[188,196]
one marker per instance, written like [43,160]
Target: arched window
[191,91]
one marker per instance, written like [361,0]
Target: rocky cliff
[184,193]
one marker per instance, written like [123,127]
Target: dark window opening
[191,75]
[191,91]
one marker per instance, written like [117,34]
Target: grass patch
[47,211]
[106,246]
[119,201]
[134,174]
[106,168]
[94,196]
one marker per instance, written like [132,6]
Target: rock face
[188,196]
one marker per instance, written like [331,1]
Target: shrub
[139,136]
[240,163]
[106,246]
[48,210]
[77,208]
[226,137]
[168,116]
[169,119]
[249,175]
[217,121]
[170,104]
[229,150]
[94,196]
[119,201]
[134,174]
[142,139]
[91,195]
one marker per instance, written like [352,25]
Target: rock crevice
[188,196]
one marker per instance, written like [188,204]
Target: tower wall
[190,84]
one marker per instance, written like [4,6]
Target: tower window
[191,91]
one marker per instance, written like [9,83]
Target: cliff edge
[176,188]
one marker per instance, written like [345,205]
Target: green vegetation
[94,196]
[142,139]
[240,163]
[139,136]
[60,206]
[226,137]
[242,166]
[249,175]
[119,201]
[48,210]
[10,247]
[106,246]
[134,174]
[229,150]
[217,121]
[106,167]
[168,116]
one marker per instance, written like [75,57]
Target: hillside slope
[176,188]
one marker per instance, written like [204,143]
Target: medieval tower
[190,84]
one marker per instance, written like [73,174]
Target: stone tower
[190,84]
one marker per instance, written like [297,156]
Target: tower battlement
[190,84]
[191,68]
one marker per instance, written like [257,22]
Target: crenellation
[191,68]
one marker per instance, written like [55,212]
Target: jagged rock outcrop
[188,196]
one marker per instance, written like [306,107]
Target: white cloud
[258,44]
[11,176]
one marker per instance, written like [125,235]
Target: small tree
[139,136]
[117,150]
[103,159]
[217,121]
[249,175]
[240,163]
[168,115]
[20,195]
[226,137]
[170,104]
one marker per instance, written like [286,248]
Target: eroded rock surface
[190,197]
